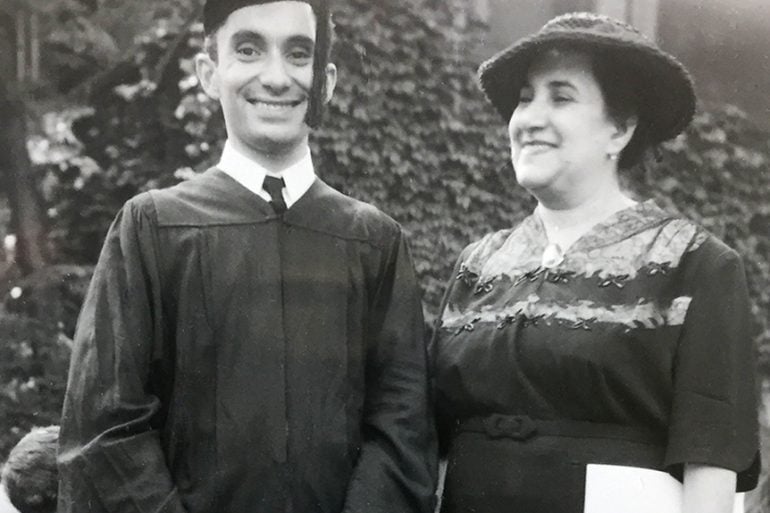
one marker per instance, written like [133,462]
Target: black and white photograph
[385,256]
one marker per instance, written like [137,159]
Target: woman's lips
[536,146]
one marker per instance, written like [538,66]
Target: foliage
[52,295]
[33,375]
[37,322]
[82,39]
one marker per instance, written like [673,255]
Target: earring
[612,156]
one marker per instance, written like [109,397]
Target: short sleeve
[714,409]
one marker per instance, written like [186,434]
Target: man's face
[263,75]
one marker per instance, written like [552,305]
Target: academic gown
[231,360]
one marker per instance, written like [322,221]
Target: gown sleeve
[397,466]
[110,456]
[714,410]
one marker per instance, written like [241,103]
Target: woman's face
[560,132]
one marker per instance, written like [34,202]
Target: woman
[599,333]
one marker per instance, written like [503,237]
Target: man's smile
[274,105]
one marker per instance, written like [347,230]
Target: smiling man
[252,338]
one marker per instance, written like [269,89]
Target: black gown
[230,360]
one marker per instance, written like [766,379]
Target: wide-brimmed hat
[663,84]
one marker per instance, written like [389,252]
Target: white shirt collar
[298,177]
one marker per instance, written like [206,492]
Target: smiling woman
[561,132]
[601,332]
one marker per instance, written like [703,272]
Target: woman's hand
[708,489]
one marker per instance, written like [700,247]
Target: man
[252,339]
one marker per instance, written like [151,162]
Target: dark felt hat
[215,12]
[663,84]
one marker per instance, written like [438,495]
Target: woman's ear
[624,131]
[206,70]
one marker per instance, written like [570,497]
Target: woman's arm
[708,489]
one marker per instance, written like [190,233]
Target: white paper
[619,489]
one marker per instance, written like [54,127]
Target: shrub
[34,358]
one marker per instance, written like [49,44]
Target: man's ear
[206,69]
[331,82]
[624,131]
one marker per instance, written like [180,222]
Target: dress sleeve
[110,456]
[397,466]
[714,409]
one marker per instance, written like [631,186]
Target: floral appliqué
[530,276]
[655,268]
[469,326]
[485,286]
[617,280]
[556,276]
[467,276]
[509,319]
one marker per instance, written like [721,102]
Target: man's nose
[274,75]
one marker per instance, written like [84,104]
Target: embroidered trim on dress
[645,314]
[651,252]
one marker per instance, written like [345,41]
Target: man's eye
[247,51]
[300,55]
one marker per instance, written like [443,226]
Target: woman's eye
[526,94]
[562,99]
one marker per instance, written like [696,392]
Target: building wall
[509,20]
[726,46]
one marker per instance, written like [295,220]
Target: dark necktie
[274,186]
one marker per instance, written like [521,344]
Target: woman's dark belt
[523,427]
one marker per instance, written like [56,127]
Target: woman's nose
[528,117]
[532,113]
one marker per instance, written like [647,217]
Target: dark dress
[633,350]
[230,360]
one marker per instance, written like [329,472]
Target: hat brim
[667,95]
